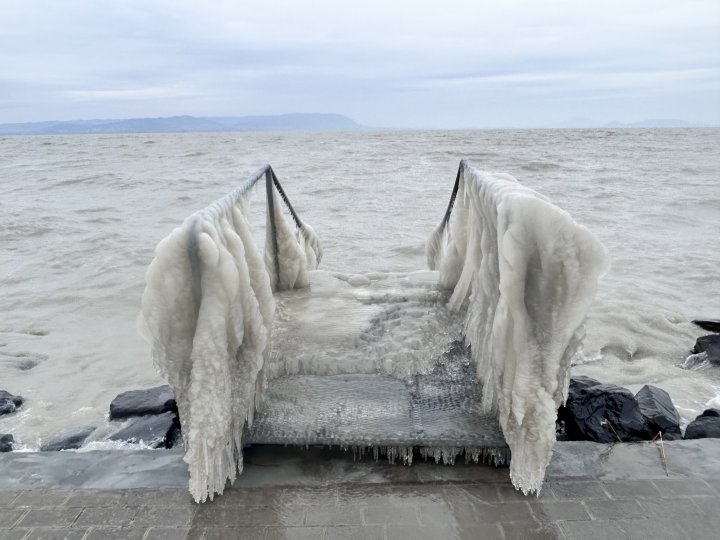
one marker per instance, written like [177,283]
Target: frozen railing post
[207,310]
[525,275]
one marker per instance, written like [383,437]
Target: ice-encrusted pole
[525,274]
[207,310]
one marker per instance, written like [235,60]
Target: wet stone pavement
[325,497]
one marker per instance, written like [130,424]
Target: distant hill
[283,122]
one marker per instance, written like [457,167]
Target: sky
[404,64]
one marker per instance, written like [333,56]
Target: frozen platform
[437,413]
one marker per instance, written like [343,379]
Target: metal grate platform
[437,413]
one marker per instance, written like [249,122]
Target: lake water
[80,216]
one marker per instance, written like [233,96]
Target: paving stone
[615,509]
[701,527]
[336,515]
[249,497]
[530,531]
[555,511]
[158,497]
[49,517]
[444,513]
[677,488]
[368,532]
[386,514]
[43,497]
[7,497]
[509,494]
[157,516]
[669,507]
[478,531]
[14,534]
[655,529]
[230,533]
[115,533]
[220,516]
[294,533]
[106,517]
[95,499]
[308,497]
[495,513]
[592,530]
[576,490]
[418,532]
[57,534]
[706,505]
[482,493]
[631,489]
[167,533]
[8,517]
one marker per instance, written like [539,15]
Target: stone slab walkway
[593,491]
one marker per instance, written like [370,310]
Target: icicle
[525,274]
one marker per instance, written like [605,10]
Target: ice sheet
[207,310]
[524,273]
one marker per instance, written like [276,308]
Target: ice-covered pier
[470,359]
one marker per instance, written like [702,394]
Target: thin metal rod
[461,169]
[295,217]
[273,228]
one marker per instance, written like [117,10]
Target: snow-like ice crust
[526,274]
[207,310]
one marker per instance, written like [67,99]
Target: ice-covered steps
[437,413]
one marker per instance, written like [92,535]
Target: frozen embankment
[208,309]
[525,274]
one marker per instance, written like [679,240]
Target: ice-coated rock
[9,403]
[705,426]
[711,325]
[659,412]
[156,431]
[593,412]
[710,345]
[525,274]
[69,440]
[6,442]
[155,400]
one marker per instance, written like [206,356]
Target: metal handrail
[215,209]
[464,164]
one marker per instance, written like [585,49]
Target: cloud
[402,63]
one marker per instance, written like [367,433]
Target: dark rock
[6,442]
[155,400]
[659,412]
[580,382]
[156,431]
[70,440]
[705,426]
[711,325]
[595,410]
[9,403]
[710,345]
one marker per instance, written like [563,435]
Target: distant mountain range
[282,122]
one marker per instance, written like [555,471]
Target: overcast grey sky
[436,64]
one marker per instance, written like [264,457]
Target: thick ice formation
[207,310]
[526,273]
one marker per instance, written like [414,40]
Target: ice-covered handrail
[207,310]
[526,274]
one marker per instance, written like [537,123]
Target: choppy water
[80,216]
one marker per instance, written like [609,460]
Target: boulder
[156,431]
[6,442]
[705,426]
[590,407]
[157,400]
[711,325]
[710,345]
[9,403]
[69,440]
[659,412]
